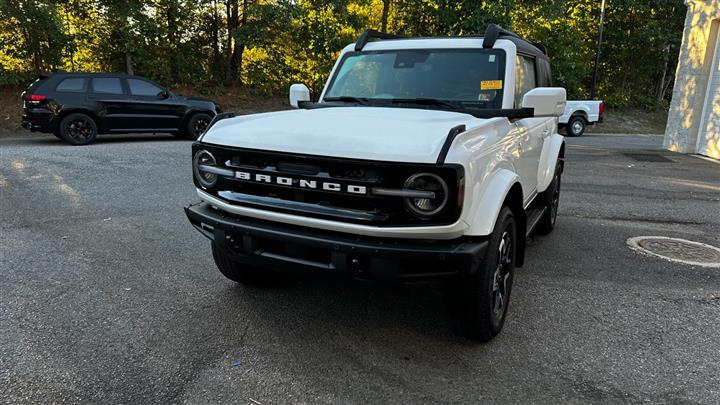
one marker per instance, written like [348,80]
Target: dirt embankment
[242,101]
[631,121]
[10,109]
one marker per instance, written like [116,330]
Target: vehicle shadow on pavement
[51,140]
[367,310]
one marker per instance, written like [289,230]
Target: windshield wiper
[426,101]
[348,99]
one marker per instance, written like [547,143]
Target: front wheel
[196,125]
[479,301]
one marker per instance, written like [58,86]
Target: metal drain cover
[649,157]
[677,250]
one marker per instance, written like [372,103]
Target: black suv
[76,107]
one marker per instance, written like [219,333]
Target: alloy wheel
[500,278]
[79,129]
[555,199]
[577,127]
[199,126]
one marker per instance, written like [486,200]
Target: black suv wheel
[78,129]
[479,302]
[196,125]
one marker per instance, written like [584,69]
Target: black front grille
[288,178]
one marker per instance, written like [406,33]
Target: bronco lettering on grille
[301,183]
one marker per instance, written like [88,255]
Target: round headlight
[204,158]
[437,196]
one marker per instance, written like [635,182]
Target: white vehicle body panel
[589,109]
[371,133]
[489,152]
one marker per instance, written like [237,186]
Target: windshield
[467,77]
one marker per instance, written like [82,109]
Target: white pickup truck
[424,158]
[581,113]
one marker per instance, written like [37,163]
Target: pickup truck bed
[581,113]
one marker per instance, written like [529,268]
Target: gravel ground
[107,295]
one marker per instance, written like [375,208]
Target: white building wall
[694,103]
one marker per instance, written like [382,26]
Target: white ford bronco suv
[424,158]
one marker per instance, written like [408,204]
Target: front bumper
[288,248]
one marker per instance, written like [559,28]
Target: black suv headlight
[201,161]
[435,191]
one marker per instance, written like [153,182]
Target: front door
[531,134]
[531,131]
[153,108]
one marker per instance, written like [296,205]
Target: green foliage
[268,44]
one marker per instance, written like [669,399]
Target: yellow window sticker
[491,85]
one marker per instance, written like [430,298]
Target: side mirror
[547,101]
[164,94]
[298,93]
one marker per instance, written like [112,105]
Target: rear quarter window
[107,85]
[72,84]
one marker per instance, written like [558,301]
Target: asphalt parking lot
[107,295]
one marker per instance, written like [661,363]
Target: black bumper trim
[282,247]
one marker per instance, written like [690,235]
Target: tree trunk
[661,86]
[237,62]
[128,63]
[128,45]
[171,14]
[385,12]
[231,8]
[216,61]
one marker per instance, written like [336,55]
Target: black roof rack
[366,36]
[540,46]
[492,34]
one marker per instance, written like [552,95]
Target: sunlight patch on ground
[19,166]
[692,183]
[72,195]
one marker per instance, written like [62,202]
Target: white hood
[373,133]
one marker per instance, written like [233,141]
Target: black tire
[576,126]
[78,129]
[479,302]
[239,272]
[195,126]
[550,198]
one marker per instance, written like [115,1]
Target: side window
[72,84]
[143,88]
[544,73]
[107,85]
[524,78]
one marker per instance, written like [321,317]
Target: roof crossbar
[366,36]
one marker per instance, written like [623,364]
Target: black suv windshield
[443,77]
